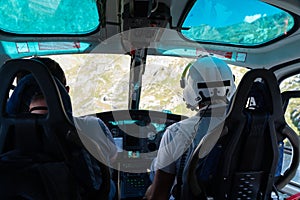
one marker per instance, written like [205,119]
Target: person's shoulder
[80,118]
[191,121]
[87,120]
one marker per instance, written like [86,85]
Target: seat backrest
[247,149]
[41,156]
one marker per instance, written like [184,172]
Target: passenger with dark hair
[92,131]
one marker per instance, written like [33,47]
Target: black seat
[42,157]
[247,149]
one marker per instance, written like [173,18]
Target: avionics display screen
[133,154]
[119,143]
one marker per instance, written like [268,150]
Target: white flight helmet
[208,79]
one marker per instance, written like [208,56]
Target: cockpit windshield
[100,82]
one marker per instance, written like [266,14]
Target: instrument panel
[137,134]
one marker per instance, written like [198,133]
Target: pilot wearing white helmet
[209,81]
[208,85]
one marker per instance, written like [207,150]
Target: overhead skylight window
[49,16]
[247,23]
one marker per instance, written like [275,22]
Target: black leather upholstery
[41,157]
[250,143]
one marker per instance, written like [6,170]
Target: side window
[291,85]
[292,113]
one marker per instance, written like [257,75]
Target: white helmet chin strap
[191,98]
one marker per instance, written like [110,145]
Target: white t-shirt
[96,138]
[179,137]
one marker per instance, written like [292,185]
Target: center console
[137,134]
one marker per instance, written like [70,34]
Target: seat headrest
[27,87]
[52,130]
[58,100]
[259,96]
[266,92]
